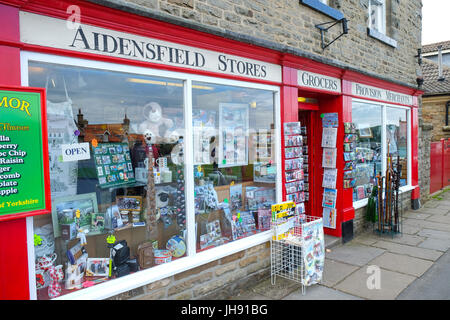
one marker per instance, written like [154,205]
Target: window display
[365,156]
[366,148]
[130,190]
[234,162]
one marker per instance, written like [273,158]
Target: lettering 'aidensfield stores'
[161,53]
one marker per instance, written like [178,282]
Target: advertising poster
[313,248]
[24,176]
[233,135]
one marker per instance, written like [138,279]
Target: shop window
[129,124]
[382,140]
[397,139]
[234,162]
[368,148]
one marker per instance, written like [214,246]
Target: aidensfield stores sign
[51,32]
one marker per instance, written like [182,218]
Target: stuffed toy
[151,127]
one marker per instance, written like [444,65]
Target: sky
[435,21]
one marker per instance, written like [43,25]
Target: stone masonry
[290,26]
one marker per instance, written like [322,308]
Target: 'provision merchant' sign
[364,91]
[51,32]
[318,81]
[22,154]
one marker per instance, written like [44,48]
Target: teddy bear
[151,127]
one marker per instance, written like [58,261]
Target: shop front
[354,126]
[164,147]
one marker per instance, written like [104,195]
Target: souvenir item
[162,256]
[233,129]
[46,261]
[42,278]
[151,126]
[177,246]
[61,128]
[114,165]
[313,251]
[56,275]
[47,244]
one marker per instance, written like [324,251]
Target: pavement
[413,265]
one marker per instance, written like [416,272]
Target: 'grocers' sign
[51,32]
[370,92]
[318,81]
[23,145]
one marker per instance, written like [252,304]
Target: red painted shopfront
[298,102]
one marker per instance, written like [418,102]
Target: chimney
[441,77]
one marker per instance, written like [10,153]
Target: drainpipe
[447,105]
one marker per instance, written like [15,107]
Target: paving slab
[249,295]
[334,272]
[391,284]
[427,224]
[436,244]
[402,263]
[416,215]
[408,239]
[435,234]
[318,292]
[439,218]
[422,253]
[367,238]
[436,210]
[408,229]
[354,254]
[433,284]
[431,204]
[280,289]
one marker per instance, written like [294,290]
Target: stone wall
[291,27]
[433,112]
[217,279]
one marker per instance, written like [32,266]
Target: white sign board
[370,92]
[318,81]
[75,152]
[52,32]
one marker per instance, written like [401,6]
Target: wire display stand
[287,256]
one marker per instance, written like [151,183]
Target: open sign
[76,151]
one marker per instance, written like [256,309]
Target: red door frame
[14,279]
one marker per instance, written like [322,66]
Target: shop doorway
[307,115]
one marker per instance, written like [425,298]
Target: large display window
[148,168]
[383,136]
[234,162]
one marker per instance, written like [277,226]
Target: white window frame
[408,187]
[193,259]
[381,15]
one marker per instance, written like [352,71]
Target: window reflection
[367,119]
[397,139]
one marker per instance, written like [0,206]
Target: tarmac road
[434,284]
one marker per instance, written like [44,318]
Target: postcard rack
[297,247]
